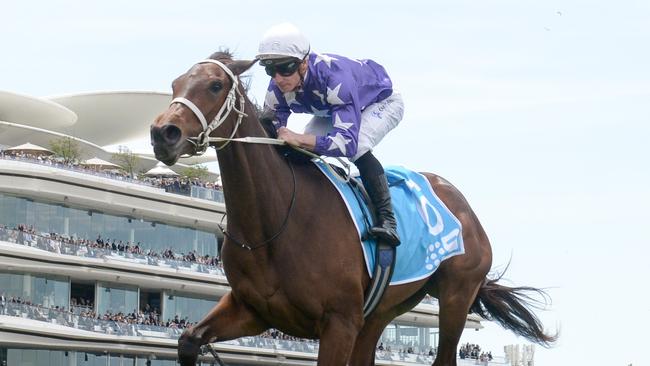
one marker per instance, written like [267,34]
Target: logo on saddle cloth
[428,230]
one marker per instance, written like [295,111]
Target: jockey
[353,104]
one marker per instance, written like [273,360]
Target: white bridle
[202,141]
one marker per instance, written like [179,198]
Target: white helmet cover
[281,41]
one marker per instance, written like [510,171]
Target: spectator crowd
[146,316]
[177,184]
[473,351]
[53,242]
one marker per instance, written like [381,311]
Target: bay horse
[292,254]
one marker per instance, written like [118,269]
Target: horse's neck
[257,183]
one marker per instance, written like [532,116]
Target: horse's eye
[216,87]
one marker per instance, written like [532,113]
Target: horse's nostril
[171,134]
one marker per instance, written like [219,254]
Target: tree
[196,172]
[126,159]
[66,148]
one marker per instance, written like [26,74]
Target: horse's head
[206,99]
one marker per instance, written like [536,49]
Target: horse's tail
[512,308]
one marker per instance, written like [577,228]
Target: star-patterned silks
[320,112]
[319,95]
[333,95]
[290,97]
[271,100]
[339,142]
[340,124]
[325,58]
[337,88]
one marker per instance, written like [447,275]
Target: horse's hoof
[188,349]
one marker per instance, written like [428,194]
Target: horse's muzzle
[168,134]
[166,141]
[189,347]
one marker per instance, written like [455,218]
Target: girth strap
[385,255]
[384,265]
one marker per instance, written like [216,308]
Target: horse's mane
[265,117]
[226,56]
[222,55]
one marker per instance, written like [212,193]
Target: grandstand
[97,268]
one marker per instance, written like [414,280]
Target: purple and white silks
[337,88]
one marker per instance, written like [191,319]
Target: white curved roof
[97,118]
[113,117]
[12,133]
[34,111]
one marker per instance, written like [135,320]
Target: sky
[539,112]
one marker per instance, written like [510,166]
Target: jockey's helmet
[283,41]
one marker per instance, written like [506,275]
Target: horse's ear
[239,66]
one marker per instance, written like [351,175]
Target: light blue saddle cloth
[429,232]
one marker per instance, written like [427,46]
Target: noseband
[202,141]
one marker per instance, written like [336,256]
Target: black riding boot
[374,180]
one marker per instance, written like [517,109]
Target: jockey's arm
[303,140]
[278,104]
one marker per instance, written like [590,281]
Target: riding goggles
[284,69]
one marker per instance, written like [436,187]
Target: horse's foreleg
[229,319]
[337,339]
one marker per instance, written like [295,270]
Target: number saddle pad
[428,230]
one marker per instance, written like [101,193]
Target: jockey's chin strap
[203,140]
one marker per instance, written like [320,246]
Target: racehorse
[291,251]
